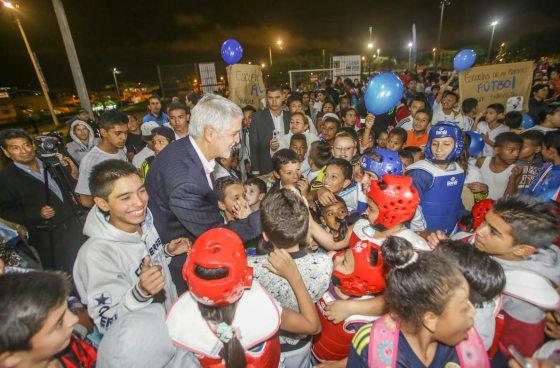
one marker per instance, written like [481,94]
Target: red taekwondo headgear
[218,248]
[479,211]
[395,198]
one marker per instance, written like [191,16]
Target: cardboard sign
[246,86]
[497,83]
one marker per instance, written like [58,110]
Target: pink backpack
[384,346]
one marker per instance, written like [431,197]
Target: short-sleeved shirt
[483,128]
[315,269]
[446,356]
[94,157]
[414,141]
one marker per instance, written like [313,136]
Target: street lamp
[434,52]
[493,24]
[115,72]
[378,52]
[34,61]
[279,44]
[263,65]
[442,5]
[409,55]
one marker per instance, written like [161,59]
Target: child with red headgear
[228,320]
[358,274]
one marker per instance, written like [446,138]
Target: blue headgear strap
[445,129]
[390,163]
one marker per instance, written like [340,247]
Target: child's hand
[241,210]
[178,246]
[434,238]
[477,187]
[303,187]
[516,173]
[370,121]
[325,197]
[337,311]
[274,145]
[281,263]
[151,278]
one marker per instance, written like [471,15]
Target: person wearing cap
[147,151]
[82,140]
[160,138]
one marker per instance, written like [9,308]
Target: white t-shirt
[439,115]
[483,128]
[94,157]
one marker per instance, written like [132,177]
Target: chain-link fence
[309,79]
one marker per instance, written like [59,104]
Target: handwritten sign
[246,86]
[497,83]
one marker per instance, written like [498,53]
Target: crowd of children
[424,237]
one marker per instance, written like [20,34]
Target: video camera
[49,145]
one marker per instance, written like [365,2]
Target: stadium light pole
[442,5]
[493,24]
[11,6]
[279,44]
[115,72]
[409,55]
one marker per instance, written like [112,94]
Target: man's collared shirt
[53,185]
[207,165]
[278,123]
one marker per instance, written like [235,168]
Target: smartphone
[275,134]
[519,357]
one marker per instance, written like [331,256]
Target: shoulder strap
[471,352]
[384,342]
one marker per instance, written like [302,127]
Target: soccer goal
[310,78]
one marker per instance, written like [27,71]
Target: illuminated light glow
[370,45]
[494,23]
[8,4]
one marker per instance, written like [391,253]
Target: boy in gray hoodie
[122,267]
[83,140]
[519,233]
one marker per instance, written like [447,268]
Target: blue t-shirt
[547,183]
[446,356]
[162,119]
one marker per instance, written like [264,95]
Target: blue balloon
[477,143]
[383,93]
[527,122]
[231,51]
[464,60]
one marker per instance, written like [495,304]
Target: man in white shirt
[113,128]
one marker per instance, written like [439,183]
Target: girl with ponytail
[430,319]
[228,320]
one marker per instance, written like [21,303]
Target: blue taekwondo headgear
[390,163]
[445,129]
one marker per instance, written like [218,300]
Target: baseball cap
[147,128]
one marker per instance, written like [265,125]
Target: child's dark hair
[417,282]
[535,136]
[427,112]
[13,134]
[109,119]
[346,110]
[513,119]
[284,218]
[233,352]
[294,97]
[344,165]
[468,105]
[537,87]
[249,108]
[532,221]
[450,93]
[412,149]
[400,132]
[485,275]
[507,137]
[498,107]
[258,182]
[552,140]
[283,157]
[406,154]
[547,110]
[330,119]
[105,174]
[320,153]
[420,97]
[27,299]
[221,185]
[298,137]
[327,102]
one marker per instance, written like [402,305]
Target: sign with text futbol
[246,86]
[497,83]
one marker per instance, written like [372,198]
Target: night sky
[138,35]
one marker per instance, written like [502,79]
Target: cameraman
[54,229]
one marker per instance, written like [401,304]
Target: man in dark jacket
[54,228]
[268,126]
